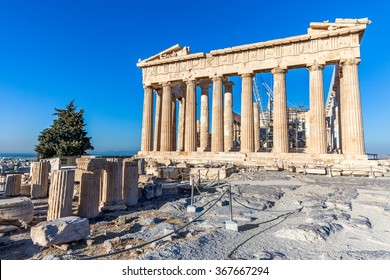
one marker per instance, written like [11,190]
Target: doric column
[157,124]
[352,135]
[280,137]
[91,185]
[89,194]
[40,179]
[317,110]
[130,182]
[204,116]
[217,116]
[13,183]
[147,120]
[247,128]
[174,123]
[111,196]
[235,131]
[166,118]
[256,123]
[182,116]
[60,194]
[190,122]
[228,116]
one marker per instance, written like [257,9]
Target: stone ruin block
[13,184]
[40,179]
[130,182]
[16,211]
[89,194]
[60,194]
[63,230]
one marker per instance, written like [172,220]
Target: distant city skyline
[56,51]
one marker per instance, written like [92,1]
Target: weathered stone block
[40,179]
[16,211]
[12,184]
[59,231]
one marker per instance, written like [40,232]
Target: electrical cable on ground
[157,239]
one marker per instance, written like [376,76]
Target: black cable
[157,239]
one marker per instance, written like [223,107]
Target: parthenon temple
[172,129]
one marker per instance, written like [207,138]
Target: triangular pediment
[173,51]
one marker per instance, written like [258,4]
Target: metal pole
[199,178]
[192,192]
[230,203]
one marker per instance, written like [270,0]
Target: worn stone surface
[16,211]
[12,184]
[40,179]
[60,194]
[59,231]
[130,183]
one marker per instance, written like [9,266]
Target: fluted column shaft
[190,122]
[352,134]
[111,196]
[157,124]
[247,127]
[40,179]
[256,123]
[182,115]
[204,116]
[60,194]
[166,119]
[280,140]
[217,116]
[130,182]
[89,193]
[147,120]
[317,110]
[174,124]
[228,116]
[13,183]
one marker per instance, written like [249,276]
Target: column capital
[315,66]
[350,61]
[148,87]
[279,70]
[189,81]
[216,78]
[205,84]
[246,75]
[166,84]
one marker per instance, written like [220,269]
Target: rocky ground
[280,215]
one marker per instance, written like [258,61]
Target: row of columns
[222,137]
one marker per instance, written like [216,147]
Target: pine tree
[66,136]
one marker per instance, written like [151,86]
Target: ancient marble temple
[171,78]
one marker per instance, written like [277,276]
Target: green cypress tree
[66,136]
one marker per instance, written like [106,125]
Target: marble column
[111,196]
[256,123]
[235,131]
[147,120]
[190,122]
[157,124]
[217,116]
[174,132]
[91,181]
[228,116]
[352,135]
[317,110]
[204,116]
[166,119]
[280,137]
[247,127]
[89,194]
[182,115]
[130,182]
[40,179]
[13,183]
[60,194]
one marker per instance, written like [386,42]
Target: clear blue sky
[54,51]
